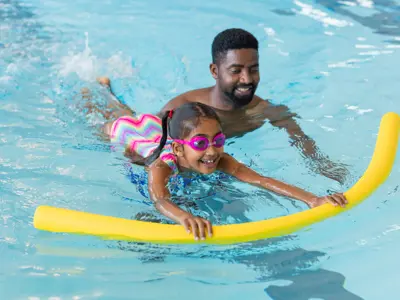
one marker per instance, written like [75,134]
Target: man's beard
[241,100]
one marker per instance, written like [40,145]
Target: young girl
[190,139]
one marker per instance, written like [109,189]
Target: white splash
[88,66]
[84,64]
[119,67]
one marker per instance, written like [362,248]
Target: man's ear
[214,70]
[177,149]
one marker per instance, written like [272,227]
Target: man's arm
[280,116]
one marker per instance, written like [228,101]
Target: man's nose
[246,77]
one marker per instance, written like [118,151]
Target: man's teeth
[243,89]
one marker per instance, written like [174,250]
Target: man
[235,68]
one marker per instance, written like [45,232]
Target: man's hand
[281,117]
[335,199]
[332,170]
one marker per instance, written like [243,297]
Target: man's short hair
[232,39]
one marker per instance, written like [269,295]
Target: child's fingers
[331,200]
[328,199]
[186,225]
[200,225]
[340,199]
[209,228]
[195,229]
[336,200]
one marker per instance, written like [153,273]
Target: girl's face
[206,160]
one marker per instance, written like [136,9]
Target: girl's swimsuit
[142,134]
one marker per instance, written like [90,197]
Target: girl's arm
[159,173]
[229,165]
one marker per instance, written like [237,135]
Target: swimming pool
[332,62]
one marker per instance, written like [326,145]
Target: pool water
[334,63]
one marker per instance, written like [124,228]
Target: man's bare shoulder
[199,95]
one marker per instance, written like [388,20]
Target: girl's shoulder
[165,165]
[159,166]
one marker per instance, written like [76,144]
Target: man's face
[237,75]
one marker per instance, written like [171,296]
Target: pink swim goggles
[201,143]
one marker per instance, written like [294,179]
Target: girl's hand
[335,199]
[198,226]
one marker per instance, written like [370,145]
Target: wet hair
[232,39]
[182,122]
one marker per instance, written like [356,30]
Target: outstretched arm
[280,116]
[159,173]
[231,166]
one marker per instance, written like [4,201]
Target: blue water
[335,63]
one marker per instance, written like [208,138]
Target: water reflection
[384,18]
[271,259]
[383,15]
